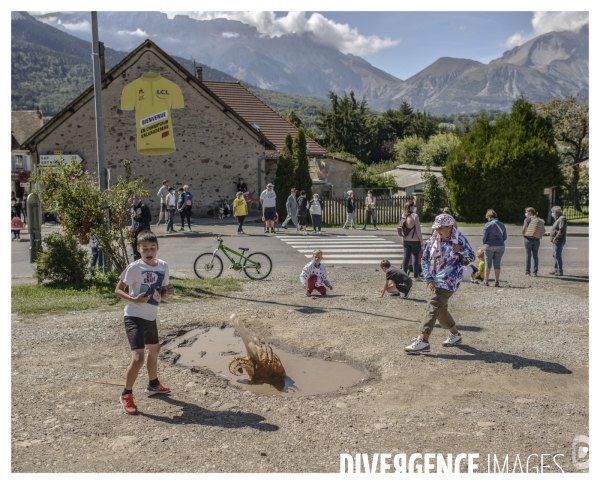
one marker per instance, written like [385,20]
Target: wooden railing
[388,210]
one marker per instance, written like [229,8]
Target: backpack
[403,229]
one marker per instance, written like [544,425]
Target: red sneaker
[128,406]
[160,388]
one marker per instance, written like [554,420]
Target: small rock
[191,384]
[201,353]
[263,454]
[341,405]
[523,400]
[467,410]
[380,426]
[227,406]
[486,424]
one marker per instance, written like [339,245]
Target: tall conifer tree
[303,180]
[284,176]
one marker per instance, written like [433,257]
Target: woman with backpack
[409,229]
[494,235]
[350,210]
[533,231]
[315,208]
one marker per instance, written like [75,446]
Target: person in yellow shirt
[153,97]
[240,210]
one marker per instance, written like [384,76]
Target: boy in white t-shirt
[148,282]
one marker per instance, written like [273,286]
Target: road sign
[25,185]
[47,160]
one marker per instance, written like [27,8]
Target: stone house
[23,125]
[216,139]
[409,178]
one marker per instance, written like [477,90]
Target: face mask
[553,215]
[414,210]
[526,215]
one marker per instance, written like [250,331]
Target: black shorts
[163,207]
[302,219]
[140,332]
[269,213]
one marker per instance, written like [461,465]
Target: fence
[388,210]
[571,212]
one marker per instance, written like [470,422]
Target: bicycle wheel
[258,266]
[207,266]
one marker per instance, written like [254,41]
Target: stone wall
[213,148]
[335,172]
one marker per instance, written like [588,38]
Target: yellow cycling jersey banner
[153,97]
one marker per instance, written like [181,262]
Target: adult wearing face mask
[558,237]
[494,235]
[412,238]
[315,208]
[533,231]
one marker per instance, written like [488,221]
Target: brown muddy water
[214,348]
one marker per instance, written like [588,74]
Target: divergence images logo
[581,452]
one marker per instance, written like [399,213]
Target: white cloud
[230,34]
[83,26]
[544,22]
[328,32]
[137,33]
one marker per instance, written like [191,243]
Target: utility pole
[102,172]
[98,102]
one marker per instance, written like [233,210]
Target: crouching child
[442,263]
[148,281]
[314,275]
[396,280]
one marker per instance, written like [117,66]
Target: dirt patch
[518,384]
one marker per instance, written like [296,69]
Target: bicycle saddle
[243,248]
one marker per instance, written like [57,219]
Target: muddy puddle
[214,348]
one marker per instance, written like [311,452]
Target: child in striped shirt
[314,275]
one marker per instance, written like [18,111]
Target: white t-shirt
[143,278]
[466,275]
[171,200]
[268,198]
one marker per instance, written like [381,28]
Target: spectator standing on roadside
[302,211]
[163,192]
[182,208]
[268,202]
[558,237]
[97,256]
[241,186]
[240,210]
[171,205]
[315,208]
[15,205]
[16,224]
[350,211]
[24,207]
[533,231]
[291,205]
[493,237]
[370,210]
[141,217]
[412,239]
[189,201]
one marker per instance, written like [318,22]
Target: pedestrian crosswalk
[347,249]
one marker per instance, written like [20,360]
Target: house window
[18,162]
[325,194]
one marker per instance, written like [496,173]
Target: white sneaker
[319,232]
[297,231]
[452,339]
[418,345]
[305,233]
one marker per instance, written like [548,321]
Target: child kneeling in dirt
[148,282]
[314,275]
[442,263]
[396,280]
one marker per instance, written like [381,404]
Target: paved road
[180,251]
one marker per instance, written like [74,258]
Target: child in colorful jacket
[314,275]
[442,263]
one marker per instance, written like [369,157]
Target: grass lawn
[44,298]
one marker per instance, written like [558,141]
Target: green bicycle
[209,265]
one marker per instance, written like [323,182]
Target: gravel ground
[518,384]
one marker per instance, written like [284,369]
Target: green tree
[423,125]
[346,126]
[300,157]
[408,150]
[571,123]
[285,175]
[293,118]
[504,166]
[432,195]
[84,208]
[366,176]
[438,147]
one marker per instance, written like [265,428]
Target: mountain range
[555,64]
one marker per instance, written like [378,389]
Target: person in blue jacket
[494,235]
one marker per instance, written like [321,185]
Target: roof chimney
[38,112]
[199,73]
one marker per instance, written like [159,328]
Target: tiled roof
[271,124]
[25,123]
[411,175]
